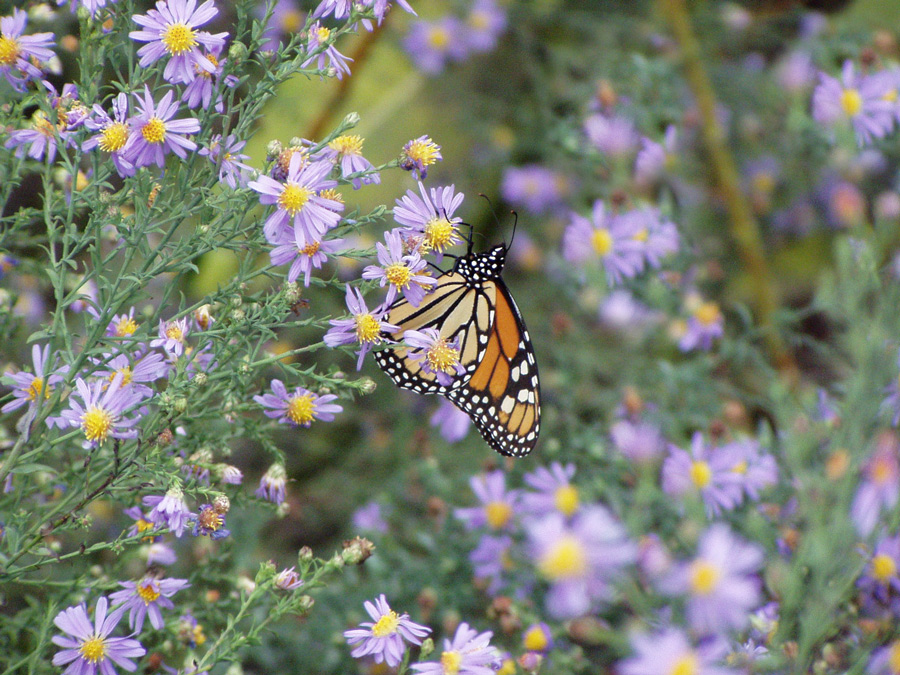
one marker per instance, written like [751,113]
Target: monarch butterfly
[499,389]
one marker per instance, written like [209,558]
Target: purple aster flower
[401,273]
[339,9]
[285,20]
[537,638]
[92,6]
[364,327]
[169,511]
[141,524]
[453,423]
[89,649]
[795,72]
[497,504]
[370,517]
[113,133]
[703,471]
[418,154]
[433,44]
[857,98]
[880,487]
[273,484]
[640,442]
[761,177]
[669,651]
[40,139]
[300,407]
[885,660]
[136,369]
[620,311]
[172,335]
[160,553]
[145,598]
[880,579]
[653,558]
[535,187]
[288,580]
[555,491]
[653,159]
[298,200]
[612,135]
[304,255]
[122,325]
[756,469]
[100,412]
[468,653]
[484,25]
[170,30]
[230,474]
[658,236]
[153,132]
[17,51]
[385,638]
[198,94]
[210,522]
[705,325]
[438,355]
[327,57]
[227,156]
[346,151]
[28,387]
[607,237]
[491,560]
[579,558]
[721,582]
[431,215]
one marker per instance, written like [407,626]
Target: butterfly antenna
[515,223]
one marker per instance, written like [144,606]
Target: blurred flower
[170,29]
[364,327]
[612,135]
[535,187]
[385,638]
[113,133]
[704,471]
[286,19]
[147,597]
[437,355]
[537,638]
[620,311]
[497,504]
[39,140]
[452,422]
[721,582]
[231,475]
[28,387]
[491,560]
[330,58]
[579,558]
[300,408]
[468,653]
[640,442]
[418,154]
[431,215]
[653,159]
[303,254]
[885,660]
[668,652]
[484,24]
[169,511]
[761,177]
[433,44]
[845,202]
[880,487]
[160,553]
[227,156]
[857,98]
[606,237]
[210,522]
[653,559]
[369,518]
[141,522]
[401,273]
[555,491]
[100,414]
[153,132]
[17,51]
[880,578]
[756,470]
[288,580]
[89,648]
[795,72]
[705,324]
[272,485]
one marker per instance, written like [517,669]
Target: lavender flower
[497,504]
[172,335]
[89,648]
[137,369]
[113,133]
[484,25]
[210,522]
[170,30]
[17,51]
[145,598]
[756,469]
[535,187]
[385,638]
[438,355]
[885,660]
[705,325]
[364,327]
[286,19]
[169,511]
[91,6]
[879,489]
[452,422]
[369,517]
[555,491]
[639,441]
[303,254]
[401,273]
[880,578]
[721,582]
[29,387]
[100,414]
[653,159]
[433,44]
[468,653]
[272,485]
[612,135]
[198,94]
[418,154]
[329,57]
[668,652]
[227,156]
[288,580]
[153,132]
[607,237]
[299,408]
[37,141]
[856,98]
[579,558]
[491,560]
[703,471]
[431,215]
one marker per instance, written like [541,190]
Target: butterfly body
[472,307]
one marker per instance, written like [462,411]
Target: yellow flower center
[127,375]
[199,637]
[113,137]
[322,34]
[535,639]
[851,102]
[704,577]
[209,520]
[565,560]
[685,665]
[498,514]
[708,313]
[368,328]
[701,474]
[602,241]
[292,21]
[202,72]
[438,38]
[398,274]
[126,327]
[147,592]
[423,152]
[93,649]
[882,471]
[96,423]
[347,145]
[301,409]
[9,51]
[884,568]
[450,662]
[478,20]
[332,194]
[890,95]
[174,332]
[143,526]
[179,38]
[293,198]
[386,625]
[641,235]
[566,499]
[36,388]
[740,468]
[763,182]
[441,357]
[40,123]
[439,234]
[311,249]
[154,131]
[894,658]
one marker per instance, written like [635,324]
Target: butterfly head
[481,266]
